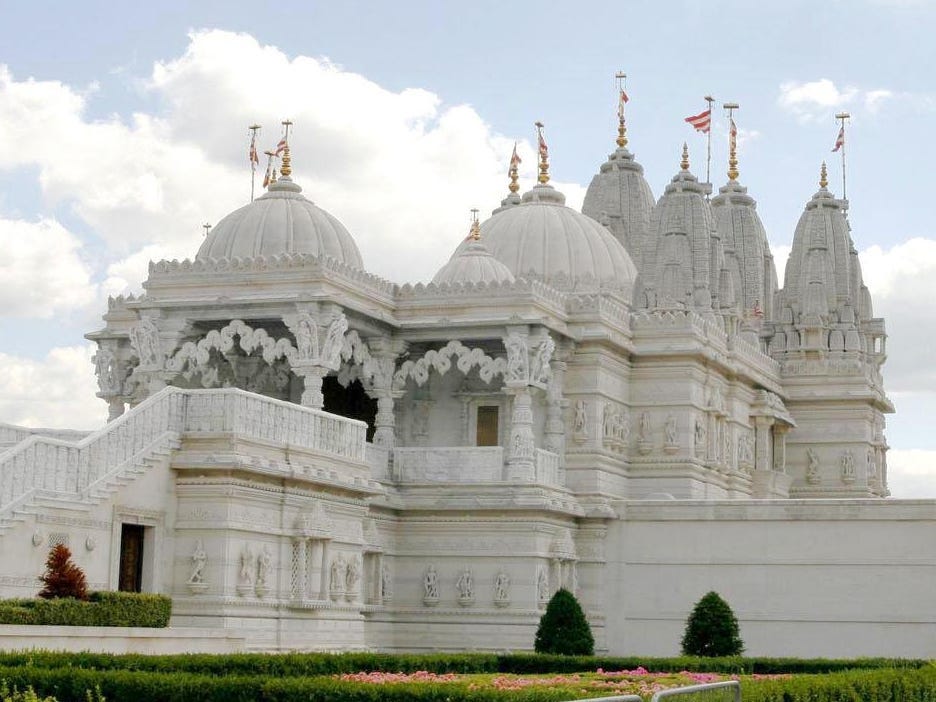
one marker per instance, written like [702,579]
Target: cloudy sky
[124,129]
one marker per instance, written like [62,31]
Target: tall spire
[286,168]
[475,232]
[621,78]
[543,155]
[732,141]
[684,163]
[513,171]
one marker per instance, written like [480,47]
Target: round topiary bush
[563,628]
[712,629]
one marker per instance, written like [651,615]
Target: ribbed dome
[620,197]
[282,221]
[543,239]
[473,264]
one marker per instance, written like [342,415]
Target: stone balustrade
[465,464]
[73,470]
[547,467]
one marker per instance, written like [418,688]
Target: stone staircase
[42,472]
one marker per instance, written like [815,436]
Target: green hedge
[71,685]
[101,609]
[309,664]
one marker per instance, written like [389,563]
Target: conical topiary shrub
[62,578]
[712,629]
[563,628]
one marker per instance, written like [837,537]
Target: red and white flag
[281,147]
[252,154]
[543,149]
[839,140]
[622,100]
[701,122]
[269,170]
[515,159]
[732,135]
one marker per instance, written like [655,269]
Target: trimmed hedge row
[100,609]
[71,684]
[310,664]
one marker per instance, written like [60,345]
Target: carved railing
[41,465]
[10,434]
[459,464]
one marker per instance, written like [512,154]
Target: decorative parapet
[535,288]
[325,265]
[76,469]
[460,464]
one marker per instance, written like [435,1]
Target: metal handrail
[674,691]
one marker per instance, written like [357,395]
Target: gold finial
[543,154]
[206,227]
[286,167]
[512,172]
[475,232]
[732,141]
[823,176]
[621,77]
[684,163]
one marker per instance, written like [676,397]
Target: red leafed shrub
[62,578]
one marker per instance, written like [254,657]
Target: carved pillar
[762,442]
[779,447]
[323,580]
[520,462]
[312,377]
[384,353]
[555,404]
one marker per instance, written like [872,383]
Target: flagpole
[254,128]
[708,158]
[732,145]
[842,117]
[621,79]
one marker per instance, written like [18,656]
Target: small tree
[712,629]
[563,628]
[62,578]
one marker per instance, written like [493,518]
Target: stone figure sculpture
[144,339]
[431,583]
[516,358]
[264,566]
[465,585]
[670,430]
[542,586]
[246,565]
[199,561]
[580,420]
[848,467]
[812,466]
[501,587]
[352,575]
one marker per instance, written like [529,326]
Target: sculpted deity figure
[669,429]
[580,420]
[812,465]
[107,371]
[246,565]
[264,566]
[539,369]
[352,575]
[608,418]
[199,561]
[516,358]
[872,465]
[386,583]
[542,585]
[306,337]
[501,587]
[144,338]
[643,432]
[336,578]
[848,467]
[700,434]
[331,348]
[431,583]
[465,585]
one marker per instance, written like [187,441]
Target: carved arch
[441,361]
[198,353]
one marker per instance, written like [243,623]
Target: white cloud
[56,391]
[396,167]
[911,473]
[41,270]
[818,100]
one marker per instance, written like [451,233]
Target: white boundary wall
[831,578]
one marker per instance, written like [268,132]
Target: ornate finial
[823,176]
[512,172]
[475,232]
[206,227]
[684,163]
[621,77]
[286,167]
[732,141]
[543,155]
[270,176]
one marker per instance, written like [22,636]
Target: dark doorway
[351,402]
[131,558]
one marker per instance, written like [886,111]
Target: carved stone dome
[473,264]
[281,221]
[542,239]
